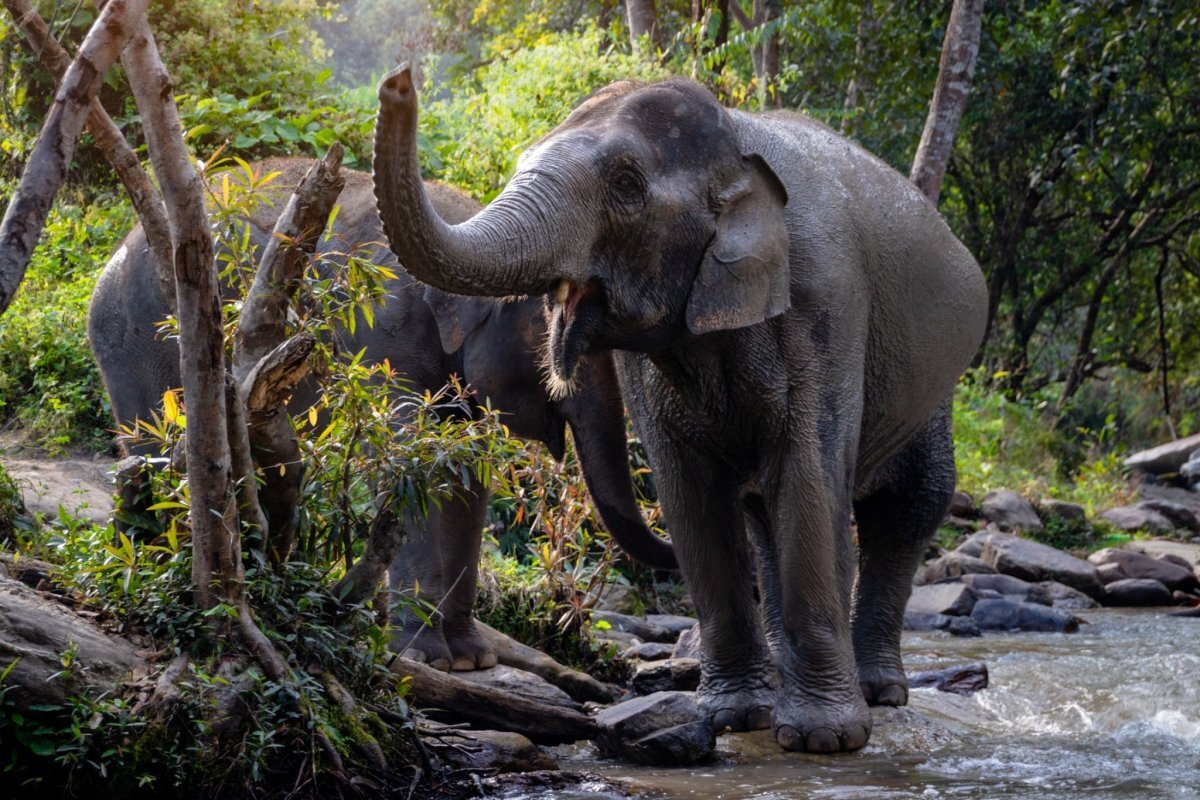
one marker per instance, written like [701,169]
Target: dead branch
[47,165]
[271,381]
[441,694]
[112,144]
[365,744]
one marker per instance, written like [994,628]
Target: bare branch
[112,144]
[51,156]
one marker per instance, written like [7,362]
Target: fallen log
[511,653]
[444,697]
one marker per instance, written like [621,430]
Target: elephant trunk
[509,248]
[598,427]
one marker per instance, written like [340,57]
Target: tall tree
[960,52]
[643,26]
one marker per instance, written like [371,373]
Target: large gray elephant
[426,335]
[789,317]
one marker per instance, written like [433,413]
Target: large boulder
[1010,512]
[951,598]
[1068,512]
[1059,595]
[1165,458]
[955,626]
[1137,518]
[951,565]
[649,651]
[1003,584]
[972,546]
[661,729]
[1185,553]
[671,675]
[1137,592]
[633,626]
[1177,514]
[1009,615]
[488,751]
[1130,564]
[1034,562]
[962,505]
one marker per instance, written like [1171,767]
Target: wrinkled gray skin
[426,335]
[789,317]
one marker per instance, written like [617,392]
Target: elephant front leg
[738,683]
[415,580]
[821,708]
[462,533]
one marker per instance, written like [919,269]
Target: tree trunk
[47,165]
[216,539]
[868,30]
[960,51]
[643,22]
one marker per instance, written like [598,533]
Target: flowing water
[1110,712]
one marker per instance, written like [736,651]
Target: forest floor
[80,482]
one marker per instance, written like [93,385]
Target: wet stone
[1034,561]
[634,626]
[661,729]
[688,645]
[674,674]
[1136,592]
[1010,511]
[1059,595]
[952,565]
[958,679]
[675,623]
[1004,584]
[954,599]
[1131,564]
[1133,518]
[649,651]
[955,626]
[1007,615]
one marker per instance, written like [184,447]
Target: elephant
[427,335]
[788,317]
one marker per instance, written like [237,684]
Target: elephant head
[498,344]
[640,216]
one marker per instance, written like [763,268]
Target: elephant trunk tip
[396,88]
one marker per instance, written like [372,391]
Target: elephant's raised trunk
[507,249]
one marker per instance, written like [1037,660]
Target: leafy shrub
[48,380]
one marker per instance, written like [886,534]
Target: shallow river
[1110,712]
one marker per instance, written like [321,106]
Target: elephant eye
[627,186]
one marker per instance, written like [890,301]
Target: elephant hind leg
[895,521]
[462,531]
[415,579]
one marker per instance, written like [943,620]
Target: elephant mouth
[577,312]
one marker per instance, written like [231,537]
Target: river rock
[634,626]
[649,651]
[1003,584]
[1136,518]
[1177,514]
[1008,615]
[1187,612]
[1184,553]
[1185,599]
[961,505]
[660,729]
[1131,564]
[973,545]
[1034,561]
[1059,595]
[672,675]
[688,644]
[1071,512]
[958,679]
[675,623]
[488,751]
[1190,471]
[1165,458]
[952,565]
[1137,592]
[510,652]
[955,626]
[953,599]
[1010,512]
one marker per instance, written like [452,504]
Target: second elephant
[426,335]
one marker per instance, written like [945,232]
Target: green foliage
[48,380]
[479,132]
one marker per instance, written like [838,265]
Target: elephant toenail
[758,719]
[789,738]
[892,695]
[726,719]
[440,664]
[822,740]
[487,660]
[856,737]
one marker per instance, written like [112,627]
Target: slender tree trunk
[47,165]
[1164,354]
[960,51]
[868,29]
[216,542]
[643,22]
[771,10]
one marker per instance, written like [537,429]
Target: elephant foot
[883,686]
[469,650]
[739,706]
[813,725]
[423,644]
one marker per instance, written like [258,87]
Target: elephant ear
[457,316]
[744,277]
